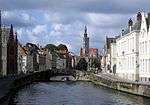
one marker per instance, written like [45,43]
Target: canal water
[76,93]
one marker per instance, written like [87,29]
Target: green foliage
[51,47]
[62,47]
[95,63]
[82,64]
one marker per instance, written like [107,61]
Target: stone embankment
[137,88]
[10,84]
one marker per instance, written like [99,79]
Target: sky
[63,21]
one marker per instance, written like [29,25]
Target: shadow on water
[74,93]
[118,95]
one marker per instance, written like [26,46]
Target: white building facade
[127,46]
[48,60]
[144,48]
[113,57]
[61,63]
[127,56]
[133,50]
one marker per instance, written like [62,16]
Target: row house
[63,58]
[103,59]
[74,59]
[42,61]
[107,55]
[22,59]
[48,59]
[61,62]
[113,59]
[45,59]
[32,57]
[143,45]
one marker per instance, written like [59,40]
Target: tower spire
[11,32]
[0,44]
[85,43]
[85,32]
[0,20]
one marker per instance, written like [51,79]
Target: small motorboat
[65,79]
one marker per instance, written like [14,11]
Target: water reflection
[78,93]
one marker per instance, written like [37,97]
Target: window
[132,62]
[145,79]
[145,47]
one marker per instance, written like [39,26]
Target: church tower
[0,44]
[0,20]
[12,53]
[86,43]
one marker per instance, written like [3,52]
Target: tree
[62,47]
[95,63]
[82,64]
[51,47]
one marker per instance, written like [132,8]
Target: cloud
[96,6]
[39,29]
[63,21]
[108,20]
[17,18]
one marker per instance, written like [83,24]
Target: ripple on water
[77,93]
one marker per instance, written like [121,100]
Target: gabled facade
[32,57]
[107,54]
[61,63]
[22,59]
[144,48]
[113,57]
[48,59]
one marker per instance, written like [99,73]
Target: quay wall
[10,84]
[129,87]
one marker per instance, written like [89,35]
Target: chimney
[122,32]
[130,24]
[149,20]
[139,16]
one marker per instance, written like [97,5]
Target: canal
[76,93]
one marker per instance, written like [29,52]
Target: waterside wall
[10,84]
[129,87]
